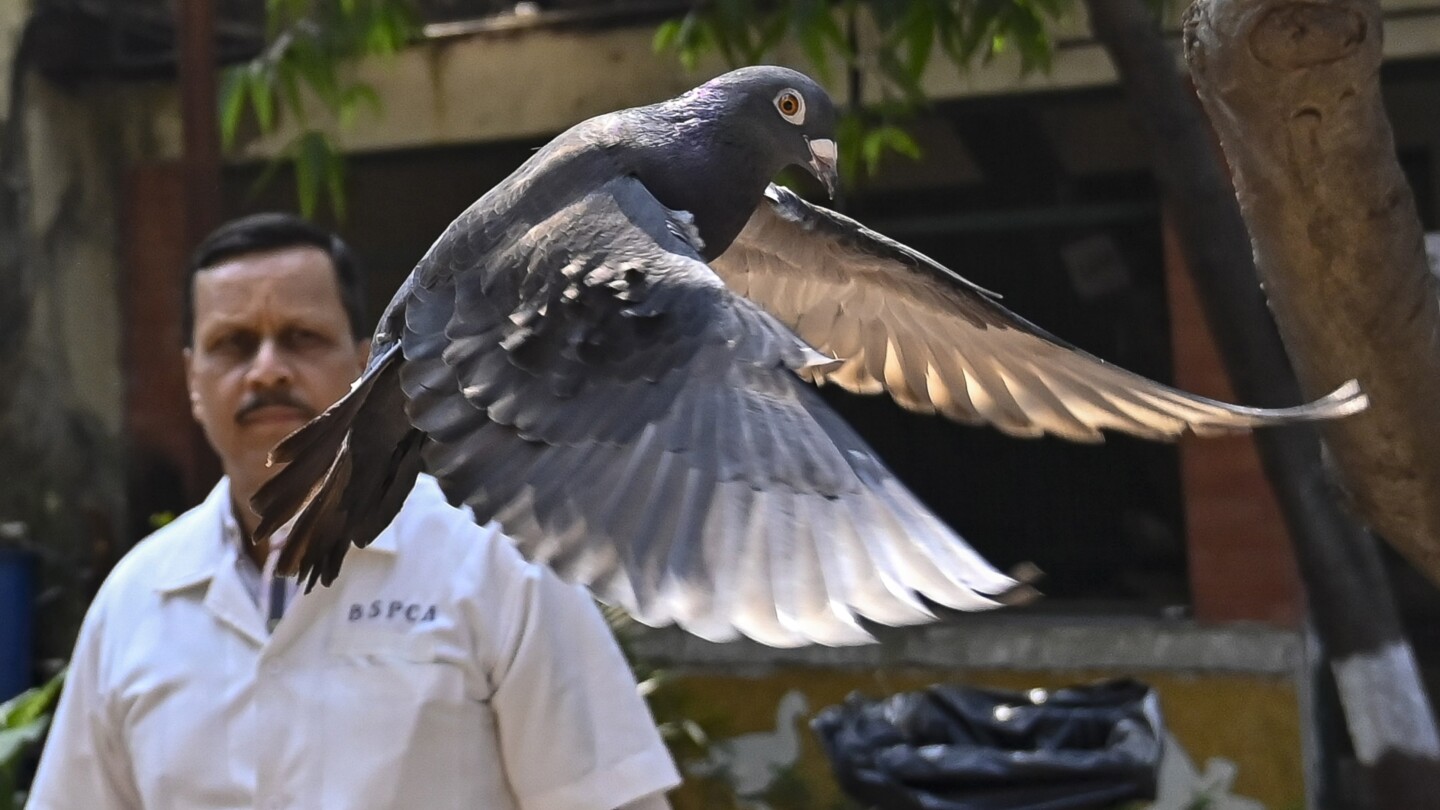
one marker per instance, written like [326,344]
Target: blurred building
[1169,564]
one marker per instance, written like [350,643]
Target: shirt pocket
[402,728]
[417,648]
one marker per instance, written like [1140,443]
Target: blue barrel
[17,606]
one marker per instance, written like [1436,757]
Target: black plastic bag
[965,748]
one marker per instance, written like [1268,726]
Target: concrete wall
[519,81]
[12,17]
[1232,700]
[74,179]
[61,412]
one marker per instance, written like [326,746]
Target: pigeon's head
[784,115]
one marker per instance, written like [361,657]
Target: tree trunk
[1384,701]
[1293,90]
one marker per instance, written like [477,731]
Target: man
[440,671]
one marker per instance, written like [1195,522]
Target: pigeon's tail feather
[310,455]
[337,491]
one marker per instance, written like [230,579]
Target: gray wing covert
[904,324]
[589,382]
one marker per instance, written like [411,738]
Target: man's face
[272,348]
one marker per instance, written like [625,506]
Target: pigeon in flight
[613,353]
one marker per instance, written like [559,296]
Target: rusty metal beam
[195,24]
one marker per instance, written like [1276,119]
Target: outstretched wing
[589,382]
[902,323]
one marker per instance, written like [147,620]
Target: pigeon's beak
[823,157]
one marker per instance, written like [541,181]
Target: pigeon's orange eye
[791,106]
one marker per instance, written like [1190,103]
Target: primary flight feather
[611,352]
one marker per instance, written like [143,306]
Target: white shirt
[439,671]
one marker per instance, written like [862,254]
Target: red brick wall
[1241,564]
[167,448]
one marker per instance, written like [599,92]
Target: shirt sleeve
[84,763]
[574,733]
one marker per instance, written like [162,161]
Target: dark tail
[349,472]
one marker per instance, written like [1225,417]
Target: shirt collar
[215,539]
[193,561]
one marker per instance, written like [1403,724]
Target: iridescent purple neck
[707,167]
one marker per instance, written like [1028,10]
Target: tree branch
[1349,597]
[1293,91]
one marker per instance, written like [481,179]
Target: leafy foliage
[309,45]
[889,42]
[23,721]
[892,42]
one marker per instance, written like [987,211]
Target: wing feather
[637,426]
[935,342]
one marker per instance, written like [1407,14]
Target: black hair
[273,231]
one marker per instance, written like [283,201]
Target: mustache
[274,397]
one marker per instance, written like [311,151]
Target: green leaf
[865,138]
[290,87]
[16,740]
[733,23]
[667,36]
[835,35]
[272,167]
[353,98]
[870,149]
[335,181]
[31,704]
[233,83]
[813,41]
[23,721]
[308,45]
[310,164]
[324,79]
[899,141]
[262,97]
[887,13]
[849,135]
[919,30]
[717,35]
[901,76]
[405,20]
[385,35]
[689,40]
[274,19]
[1031,39]
[979,30]
[772,30]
